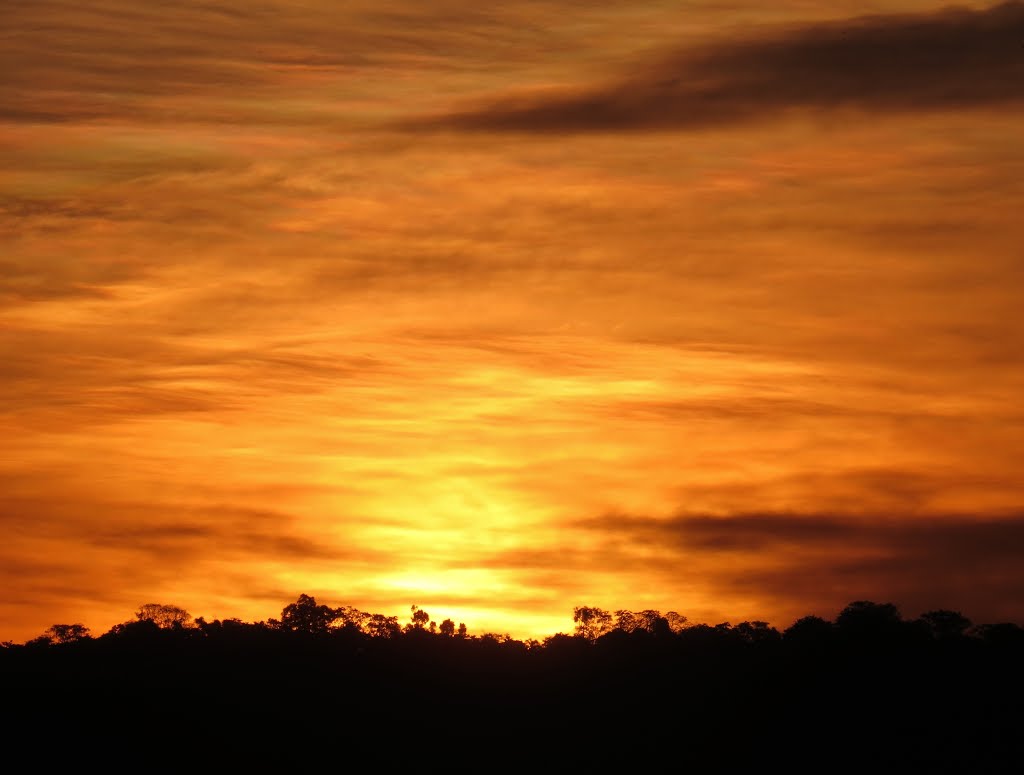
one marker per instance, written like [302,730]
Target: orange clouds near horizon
[501,312]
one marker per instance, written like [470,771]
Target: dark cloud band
[960,561]
[948,59]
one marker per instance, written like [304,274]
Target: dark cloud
[164,531]
[191,539]
[70,554]
[24,281]
[820,562]
[973,539]
[948,59]
[746,408]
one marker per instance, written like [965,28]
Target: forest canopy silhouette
[592,625]
[919,692]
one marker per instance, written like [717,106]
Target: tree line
[634,689]
[592,625]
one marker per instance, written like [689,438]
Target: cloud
[820,562]
[948,59]
[232,539]
[174,533]
[80,559]
[235,62]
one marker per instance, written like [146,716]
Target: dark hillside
[882,693]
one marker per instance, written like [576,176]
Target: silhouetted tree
[676,621]
[304,615]
[564,649]
[706,638]
[809,632]
[67,633]
[448,628]
[591,622]
[866,619]
[381,626]
[649,621]
[1001,634]
[351,617]
[757,633]
[625,621]
[140,630]
[418,620]
[945,624]
[163,616]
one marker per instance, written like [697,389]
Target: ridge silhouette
[628,689]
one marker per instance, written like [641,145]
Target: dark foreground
[705,699]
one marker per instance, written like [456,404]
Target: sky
[503,309]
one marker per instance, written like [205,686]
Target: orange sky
[701,307]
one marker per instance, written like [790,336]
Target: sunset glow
[502,311]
